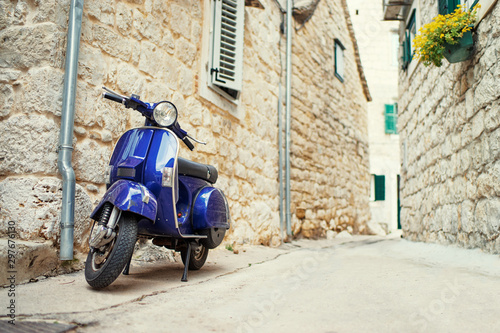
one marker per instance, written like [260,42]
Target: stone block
[110,42]
[478,124]
[147,26]
[129,80]
[102,10]
[90,160]
[6,99]
[374,228]
[180,22]
[153,61]
[124,18]
[36,152]
[32,46]
[91,65]
[31,261]
[158,7]
[487,91]
[487,217]
[43,90]
[185,52]
[34,204]
[185,81]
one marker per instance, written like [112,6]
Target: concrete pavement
[359,284]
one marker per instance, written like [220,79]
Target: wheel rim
[198,252]
[101,255]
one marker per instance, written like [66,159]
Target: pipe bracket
[64,147]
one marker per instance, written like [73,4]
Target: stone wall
[153,48]
[450,130]
[330,178]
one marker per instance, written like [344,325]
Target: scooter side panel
[162,153]
[129,196]
[210,209]
[189,187]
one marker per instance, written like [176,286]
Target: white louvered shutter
[227,61]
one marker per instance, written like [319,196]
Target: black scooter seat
[198,170]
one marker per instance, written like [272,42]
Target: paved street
[359,284]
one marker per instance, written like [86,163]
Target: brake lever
[195,140]
[115,93]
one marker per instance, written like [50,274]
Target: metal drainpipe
[289,5]
[280,153]
[66,134]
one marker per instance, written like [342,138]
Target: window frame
[408,64]
[391,118]
[228,86]
[448,6]
[377,190]
[338,46]
[410,33]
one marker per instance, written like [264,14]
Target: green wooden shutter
[408,47]
[379,187]
[227,55]
[447,6]
[391,119]
[403,56]
[473,4]
[453,5]
[443,7]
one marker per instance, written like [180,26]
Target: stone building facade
[449,124]
[159,50]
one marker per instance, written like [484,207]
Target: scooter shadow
[160,275]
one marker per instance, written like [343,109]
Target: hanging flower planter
[447,36]
[461,51]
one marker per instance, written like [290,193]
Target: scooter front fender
[129,196]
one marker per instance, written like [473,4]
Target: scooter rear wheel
[197,258]
[104,265]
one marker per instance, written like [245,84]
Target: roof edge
[361,72]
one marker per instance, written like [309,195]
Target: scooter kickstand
[186,266]
[127,267]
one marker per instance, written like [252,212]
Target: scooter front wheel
[197,258]
[104,265]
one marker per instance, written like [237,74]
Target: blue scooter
[155,194]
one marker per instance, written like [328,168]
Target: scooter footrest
[194,236]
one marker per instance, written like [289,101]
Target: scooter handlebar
[188,143]
[112,97]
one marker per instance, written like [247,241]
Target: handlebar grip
[188,143]
[112,97]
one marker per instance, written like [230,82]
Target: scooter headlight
[165,114]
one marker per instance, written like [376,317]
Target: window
[377,188]
[447,6]
[339,60]
[410,33]
[225,72]
[391,118]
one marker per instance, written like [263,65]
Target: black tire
[102,268]
[198,257]
[214,237]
